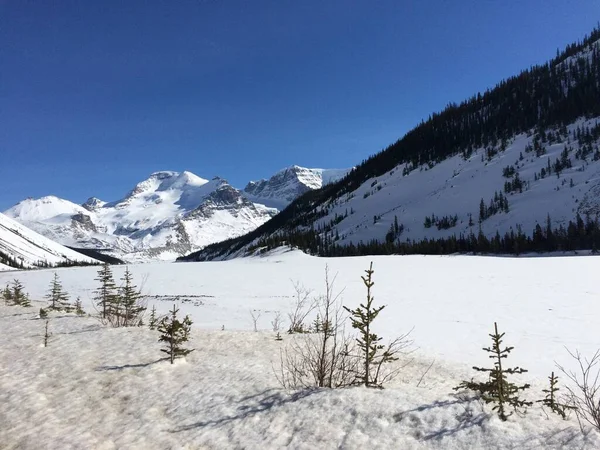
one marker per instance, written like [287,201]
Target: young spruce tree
[174,333]
[373,353]
[106,294]
[498,389]
[551,401]
[58,298]
[130,308]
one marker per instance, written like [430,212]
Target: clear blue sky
[96,95]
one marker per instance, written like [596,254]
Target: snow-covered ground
[95,387]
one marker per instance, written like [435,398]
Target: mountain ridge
[166,215]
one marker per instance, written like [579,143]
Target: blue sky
[94,96]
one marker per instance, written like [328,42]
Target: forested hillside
[491,174]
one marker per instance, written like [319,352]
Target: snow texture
[31,248]
[95,387]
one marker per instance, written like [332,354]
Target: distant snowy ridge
[30,249]
[167,215]
[289,183]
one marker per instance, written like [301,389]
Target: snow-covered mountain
[26,248]
[167,215]
[512,165]
[288,184]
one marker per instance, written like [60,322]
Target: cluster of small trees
[14,295]
[119,307]
[582,397]
[442,223]
[327,357]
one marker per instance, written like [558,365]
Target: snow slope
[30,248]
[108,388]
[456,186]
[167,215]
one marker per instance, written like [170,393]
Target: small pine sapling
[106,294]
[78,307]
[132,308]
[498,389]
[7,296]
[174,333]
[153,320]
[18,295]
[43,313]
[373,354]
[550,400]
[46,334]
[57,297]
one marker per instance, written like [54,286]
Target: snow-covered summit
[289,183]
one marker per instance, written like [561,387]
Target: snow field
[97,387]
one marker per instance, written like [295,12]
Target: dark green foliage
[106,295]
[130,308]
[551,401]
[498,389]
[7,296]
[57,297]
[373,353]
[153,320]
[78,307]
[14,295]
[174,333]
[43,313]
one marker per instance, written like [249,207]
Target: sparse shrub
[174,333]
[373,355]
[498,389]
[584,396]
[323,358]
[302,306]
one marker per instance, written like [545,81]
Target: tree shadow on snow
[467,419]
[251,405]
[129,366]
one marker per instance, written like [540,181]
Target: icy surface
[95,387]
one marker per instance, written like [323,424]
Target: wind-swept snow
[107,388]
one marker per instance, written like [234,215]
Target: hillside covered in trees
[510,170]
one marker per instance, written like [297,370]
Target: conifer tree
[551,401]
[174,333]
[373,353]
[18,295]
[153,320]
[106,294]
[78,307]
[7,296]
[498,389]
[46,334]
[43,313]
[130,308]
[58,299]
